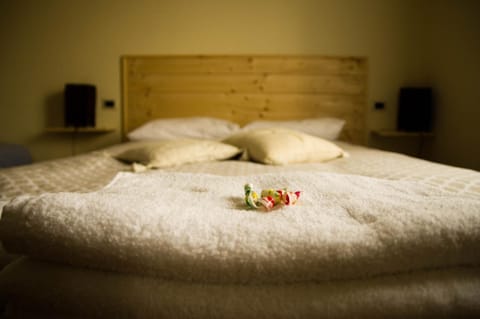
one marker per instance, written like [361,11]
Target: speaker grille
[80,100]
[415,109]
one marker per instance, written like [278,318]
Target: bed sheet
[92,171]
[83,293]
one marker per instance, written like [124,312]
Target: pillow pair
[190,140]
[216,129]
[275,146]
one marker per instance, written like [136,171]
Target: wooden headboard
[242,88]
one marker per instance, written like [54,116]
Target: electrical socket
[379,105]
[109,104]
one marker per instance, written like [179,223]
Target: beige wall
[452,56]
[48,43]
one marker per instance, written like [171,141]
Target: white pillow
[176,152]
[278,146]
[324,127]
[188,127]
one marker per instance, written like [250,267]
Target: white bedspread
[80,293]
[196,227]
[92,171]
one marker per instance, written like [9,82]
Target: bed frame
[242,88]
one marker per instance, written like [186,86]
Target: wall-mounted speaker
[80,101]
[415,109]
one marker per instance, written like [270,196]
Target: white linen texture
[84,293]
[324,127]
[184,127]
[196,227]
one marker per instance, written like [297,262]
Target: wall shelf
[79,130]
[394,133]
[77,134]
[406,142]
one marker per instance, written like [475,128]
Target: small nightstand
[13,155]
[408,138]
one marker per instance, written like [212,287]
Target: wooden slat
[246,88]
[234,83]
[245,64]
[270,105]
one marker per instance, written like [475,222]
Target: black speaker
[415,109]
[80,100]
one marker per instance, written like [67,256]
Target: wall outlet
[379,105]
[109,104]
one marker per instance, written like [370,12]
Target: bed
[162,226]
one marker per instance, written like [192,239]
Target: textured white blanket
[79,293]
[196,227]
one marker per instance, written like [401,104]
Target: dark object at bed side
[13,155]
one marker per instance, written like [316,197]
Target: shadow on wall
[58,145]
[54,110]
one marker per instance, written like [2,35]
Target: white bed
[374,234]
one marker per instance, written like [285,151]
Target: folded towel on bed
[71,292]
[197,227]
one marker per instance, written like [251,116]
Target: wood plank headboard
[242,88]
